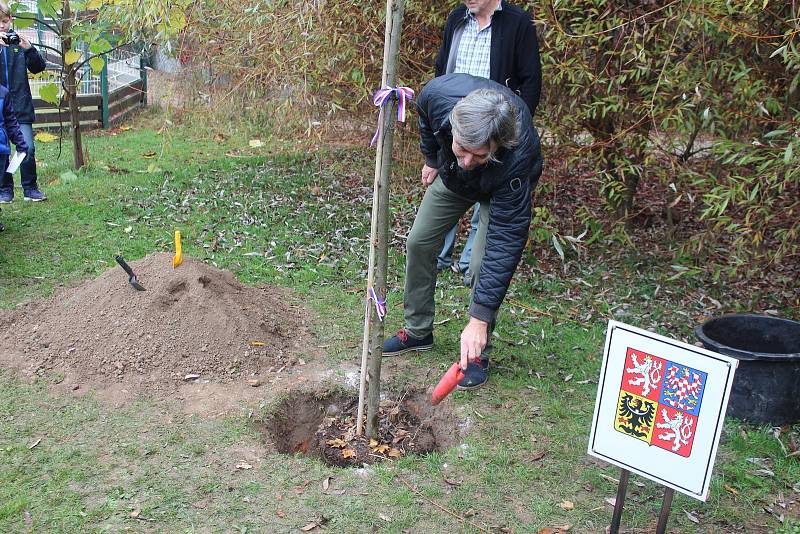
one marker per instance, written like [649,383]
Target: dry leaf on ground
[337,443]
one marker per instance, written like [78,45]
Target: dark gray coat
[507,184]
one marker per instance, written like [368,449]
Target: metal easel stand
[622,488]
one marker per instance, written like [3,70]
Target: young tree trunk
[379,247]
[71,88]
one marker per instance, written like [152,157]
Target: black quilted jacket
[507,184]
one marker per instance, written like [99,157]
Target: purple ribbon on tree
[380,304]
[382,96]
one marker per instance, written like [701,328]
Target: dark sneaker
[34,195]
[476,375]
[401,343]
[6,197]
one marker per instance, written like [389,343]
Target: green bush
[700,97]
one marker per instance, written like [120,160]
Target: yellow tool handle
[178,259]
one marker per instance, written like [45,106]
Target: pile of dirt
[194,320]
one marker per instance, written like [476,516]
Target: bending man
[480,145]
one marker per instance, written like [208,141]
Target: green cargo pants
[439,211]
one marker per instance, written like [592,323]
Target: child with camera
[17,57]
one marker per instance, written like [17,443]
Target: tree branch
[54,29]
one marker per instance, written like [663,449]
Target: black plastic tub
[766,388]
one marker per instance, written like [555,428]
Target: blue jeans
[445,258]
[27,170]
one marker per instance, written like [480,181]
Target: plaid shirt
[474,47]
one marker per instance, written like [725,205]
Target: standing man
[478,139]
[17,57]
[495,40]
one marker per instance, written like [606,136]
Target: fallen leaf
[385,518]
[219,137]
[567,378]
[348,453]
[312,525]
[191,376]
[35,443]
[280,513]
[380,448]
[149,155]
[255,342]
[44,137]
[326,483]
[691,517]
[337,443]
[611,500]
[254,382]
[128,229]
[124,128]
[731,489]
[255,143]
[243,465]
[764,473]
[135,513]
[567,505]
[454,482]
[395,453]
[538,456]
[546,530]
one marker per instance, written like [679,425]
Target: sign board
[660,408]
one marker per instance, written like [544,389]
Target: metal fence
[122,67]
[104,98]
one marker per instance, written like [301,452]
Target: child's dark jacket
[9,127]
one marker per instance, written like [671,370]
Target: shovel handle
[124,265]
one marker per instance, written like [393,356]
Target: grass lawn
[286,216]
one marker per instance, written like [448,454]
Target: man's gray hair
[483,116]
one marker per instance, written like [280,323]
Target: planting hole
[324,426]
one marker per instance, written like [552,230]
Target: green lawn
[277,215]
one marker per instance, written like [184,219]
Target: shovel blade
[136,285]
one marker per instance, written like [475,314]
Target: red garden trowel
[131,277]
[447,384]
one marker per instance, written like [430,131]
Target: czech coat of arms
[659,402]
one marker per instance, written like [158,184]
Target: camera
[11,38]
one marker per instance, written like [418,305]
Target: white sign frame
[687,472]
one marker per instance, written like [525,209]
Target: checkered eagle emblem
[659,402]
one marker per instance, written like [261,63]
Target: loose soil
[194,324]
[324,426]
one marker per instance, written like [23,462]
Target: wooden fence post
[143,76]
[104,104]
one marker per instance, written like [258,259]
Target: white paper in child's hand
[15,161]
